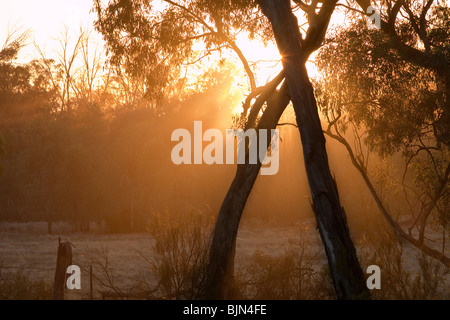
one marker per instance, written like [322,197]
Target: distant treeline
[82,149]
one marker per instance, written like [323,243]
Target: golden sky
[46,20]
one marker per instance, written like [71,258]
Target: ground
[28,247]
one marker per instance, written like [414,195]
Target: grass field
[27,250]
[28,247]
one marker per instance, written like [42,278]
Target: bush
[426,280]
[19,286]
[181,253]
[295,275]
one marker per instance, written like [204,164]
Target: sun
[47,18]
[265,61]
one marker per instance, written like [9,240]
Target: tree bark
[219,277]
[346,272]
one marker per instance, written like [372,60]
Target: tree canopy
[150,41]
[393,103]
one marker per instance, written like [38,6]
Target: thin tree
[346,272]
[402,102]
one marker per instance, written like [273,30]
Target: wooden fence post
[90,283]
[63,260]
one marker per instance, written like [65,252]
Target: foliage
[398,280]
[19,286]
[397,101]
[293,275]
[181,253]
[23,88]
[152,43]
[379,96]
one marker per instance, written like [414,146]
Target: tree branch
[395,226]
[267,90]
[225,37]
[420,32]
[318,27]
[408,53]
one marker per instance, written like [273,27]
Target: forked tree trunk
[219,278]
[346,272]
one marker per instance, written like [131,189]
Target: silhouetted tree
[167,37]
[399,103]
[149,44]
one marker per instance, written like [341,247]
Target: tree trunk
[219,278]
[347,275]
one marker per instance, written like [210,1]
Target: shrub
[295,275]
[19,286]
[404,279]
[181,253]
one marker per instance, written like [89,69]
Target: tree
[88,74]
[399,103]
[167,38]
[415,39]
[219,281]
[62,73]
[24,95]
[22,87]
[150,43]
[345,270]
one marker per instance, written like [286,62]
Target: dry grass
[284,262]
[27,247]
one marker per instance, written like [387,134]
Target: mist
[88,177]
